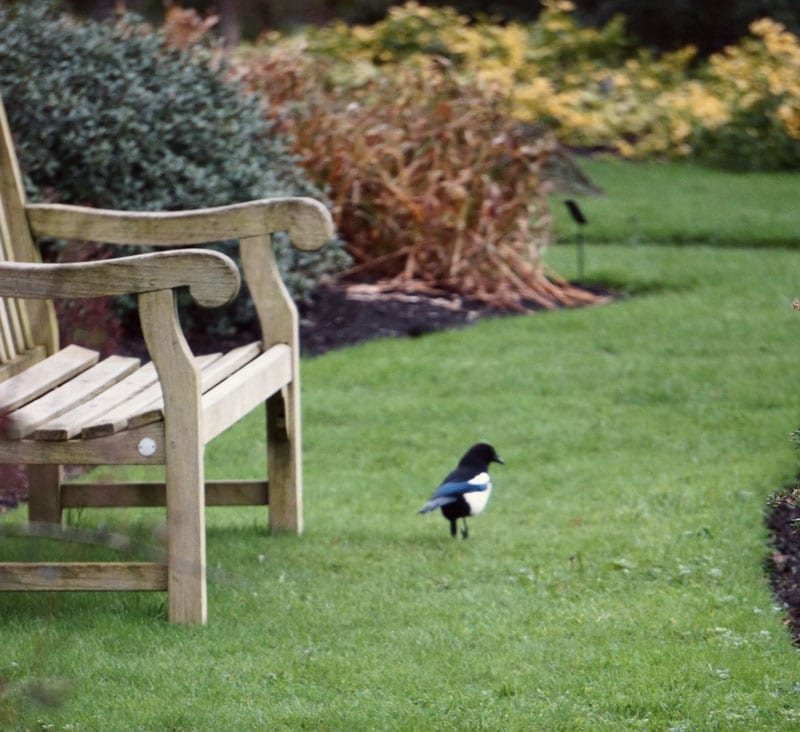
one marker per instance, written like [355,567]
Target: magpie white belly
[477,500]
[470,504]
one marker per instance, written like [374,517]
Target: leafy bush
[110,116]
[672,24]
[758,80]
[588,84]
[435,187]
[740,108]
[510,53]
[665,25]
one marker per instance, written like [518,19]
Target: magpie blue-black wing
[466,490]
[454,487]
[435,503]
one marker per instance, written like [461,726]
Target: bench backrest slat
[26,326]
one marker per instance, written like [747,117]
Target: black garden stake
[580,220]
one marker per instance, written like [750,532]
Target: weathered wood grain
[212,278]
[44,376]
[84,386]
[308,223]
[62,407]
[83,576]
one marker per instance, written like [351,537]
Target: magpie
[465,491]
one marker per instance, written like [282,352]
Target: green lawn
[615,581]
[684,203]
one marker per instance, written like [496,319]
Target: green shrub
[754,139]
[758,79]
[109,116]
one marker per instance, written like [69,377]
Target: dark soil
[338,317]
[13,486]
[783,564]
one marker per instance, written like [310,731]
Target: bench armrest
[306,220]
[213,279]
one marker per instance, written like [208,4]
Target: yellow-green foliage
[594,87]
[758,84]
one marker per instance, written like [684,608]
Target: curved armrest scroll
[213,279]
[306,220]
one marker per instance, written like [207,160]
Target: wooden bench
[65,406]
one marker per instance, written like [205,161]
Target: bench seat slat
[240,393]
[210,376]
[21,362]
[44,376]
[69,425]
[84,386]
[117,418]
[231,362]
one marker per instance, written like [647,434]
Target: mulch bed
[338,316]
[13,486]
[783,563]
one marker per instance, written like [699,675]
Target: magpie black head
[480,456]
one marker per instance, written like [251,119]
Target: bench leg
[184,473]
[283,461]
[186,532]
[44,493]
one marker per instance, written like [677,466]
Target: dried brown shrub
[184,27]
[434,188]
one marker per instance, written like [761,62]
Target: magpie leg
[453,528]
[465,530]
